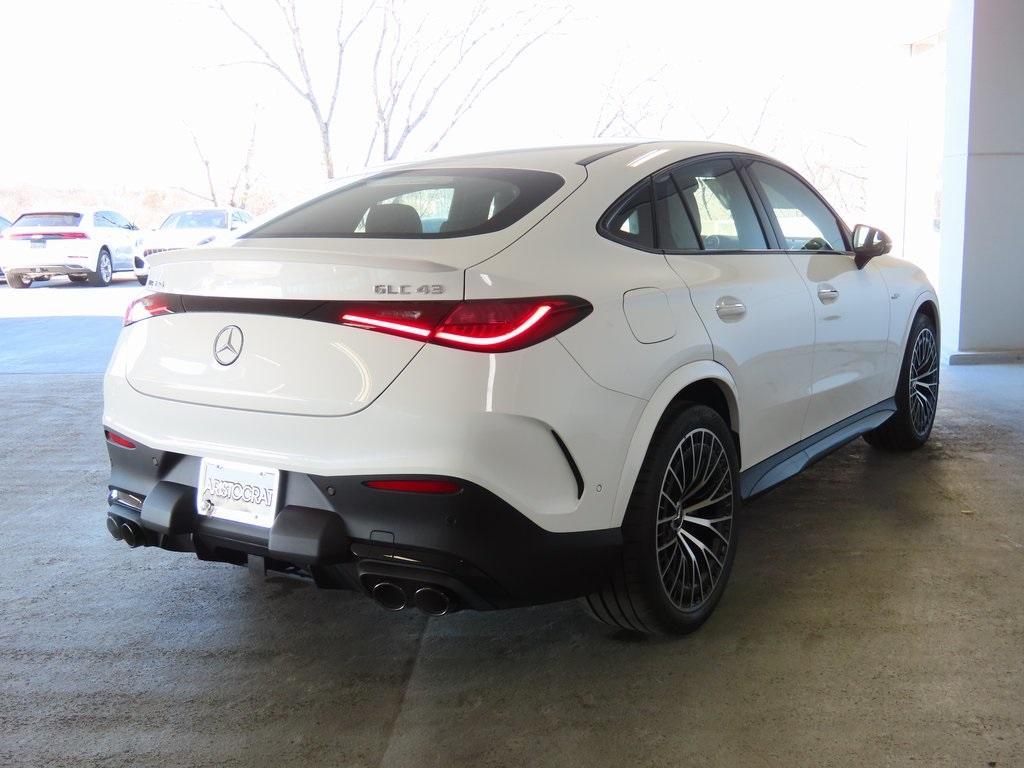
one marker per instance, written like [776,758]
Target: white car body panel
[333,400]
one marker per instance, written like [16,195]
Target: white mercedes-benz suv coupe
[87,245]
[516,377]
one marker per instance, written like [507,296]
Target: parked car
[186,229]
[87,245]
[4,224]
[566,390]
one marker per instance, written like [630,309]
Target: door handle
[730,307]
[827,294]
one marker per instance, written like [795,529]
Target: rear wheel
[18,280]
[917,394]
[142,279]
[679,532]
[104,270]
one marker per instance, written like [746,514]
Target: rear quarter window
[419,203]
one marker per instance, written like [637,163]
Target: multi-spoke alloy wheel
[694,527]
[680,529]
[917,392]
[924,381]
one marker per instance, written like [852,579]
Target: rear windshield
[48,220]
[421,203]
[196,220]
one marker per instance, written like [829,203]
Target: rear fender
[671,386]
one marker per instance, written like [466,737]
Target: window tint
[675,229]
[719,205]
[203,218]
[103,219]
[118,219]
[631,220]
[419,203]
[48,220]
[806,223]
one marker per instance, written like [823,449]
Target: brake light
[116,439]
[415,486]
[49,236]
[151,305]
[485,325]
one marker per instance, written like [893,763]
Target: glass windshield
[48,220]
[196,220]
[420,203]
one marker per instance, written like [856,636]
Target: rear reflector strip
[118,440]
[414,486]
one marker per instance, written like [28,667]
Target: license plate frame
[239,492]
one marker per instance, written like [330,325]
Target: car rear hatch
[277,293]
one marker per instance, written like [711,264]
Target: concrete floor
[874,618]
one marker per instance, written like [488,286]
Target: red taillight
[486,325]
[148,306]
[49,236]
[116,439]
[415,486]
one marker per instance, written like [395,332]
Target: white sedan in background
[187,229]
[87,245]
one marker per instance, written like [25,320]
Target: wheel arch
[705,382]
[926,303]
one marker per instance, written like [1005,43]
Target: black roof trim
[609,151]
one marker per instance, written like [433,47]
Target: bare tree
[636,109]
[238,193]
[411,72]
[243,180]
[413,69]
[322,105]
[211,194]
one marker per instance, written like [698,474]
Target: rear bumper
[471,544]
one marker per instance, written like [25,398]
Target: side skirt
[783,465]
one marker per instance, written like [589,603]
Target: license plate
[36,243]
[240,492]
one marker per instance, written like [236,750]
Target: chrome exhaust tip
[433,602]
[114,527]
[390,596]
[132,535]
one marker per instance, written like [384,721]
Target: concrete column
[982,241]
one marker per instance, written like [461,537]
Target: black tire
[906,430]
[142,279]
[640,595]
[104,272]
[17,280]
[78,278]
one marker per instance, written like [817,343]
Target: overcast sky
[98,93]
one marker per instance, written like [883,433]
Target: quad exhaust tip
[390,596]
[433,602]
[430,600]
[128,532]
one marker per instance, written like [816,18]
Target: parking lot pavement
[874,618]
[62,327]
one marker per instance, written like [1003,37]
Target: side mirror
[869,242]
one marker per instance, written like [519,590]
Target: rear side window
[675,226]
[419,203]
[719,206]
[48,220]
[805,221]
[631,221]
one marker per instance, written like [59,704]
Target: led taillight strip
[482,325]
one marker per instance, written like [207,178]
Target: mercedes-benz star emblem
[227,345]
